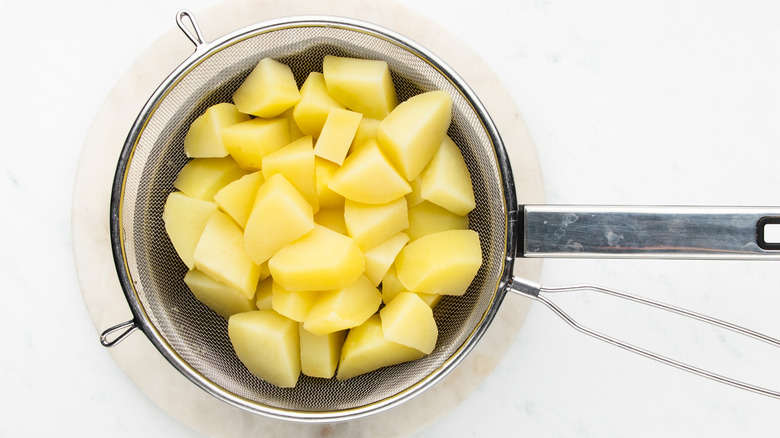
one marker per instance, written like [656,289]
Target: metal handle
[194,34]
[127,328]
[650,232]
[537,292]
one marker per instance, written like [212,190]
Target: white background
[662,102]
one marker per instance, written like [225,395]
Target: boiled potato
[204,138]
[362,85]
[415,196]
[343,308]
[392,287]
[202,178]
[320,354]
[236,198]
[296,163]
[248,142]
[381,257]
[315,104]
[268,91]
[264,294]
[408,320]
[446,181]
[332,218]
[428,218]
[323,172]
[413,131]
[280,215]
[440,263]
[320,260]
[366,131]
[268,345]
[221,255]
[367,176]
[219,297]
[371,224]
[292,304]
[337,134]
[185,218]
[366,349]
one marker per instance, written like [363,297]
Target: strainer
[194,339]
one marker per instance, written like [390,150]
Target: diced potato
[408,320]
[363,85]
[221,255]
[415,196]
[264,294]
[411,134]
[392,286]
[184,219]
[312,111]
[365,349]
[320,260]
[268,344]
[248,142]
[202,178]
[320,354]
[332,218]
[280,215]
[268,91]
[219,297]
[428,218]
[446,181]
[326,197]
[371,224]
[292,304]
[368,177]
[366,131]
[296,163]
[337,134]
[381,257]
[237,197]
[204,138]
[294,130]
[343,308]
[441,263]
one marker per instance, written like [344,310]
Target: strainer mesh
[199,336]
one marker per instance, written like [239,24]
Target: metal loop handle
[536,292]
[194,34]
[128,327]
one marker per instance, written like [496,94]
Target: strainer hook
[194,34]
[128,327]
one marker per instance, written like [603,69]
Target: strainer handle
[194,34]
[126,329]
[538,292]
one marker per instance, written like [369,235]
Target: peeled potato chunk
[366,349]
[413,131]
[219,297]
[320,354]
[332,218]
[296,163]
[367,176]
[363,85]
[320,260]
[428,218]
[202,178]
[236,198]
[392,287]
[371,224]
[269,90]
[280,215]
[441,263]
[337,134]
[204,138]
[343,308]
[408,320]
[381,257]
[185,218]
[366,131]
[323,172]
[248,142]
[315,104]
[292,304]
[268,345]
[264,294]
[446,180]
[221,255]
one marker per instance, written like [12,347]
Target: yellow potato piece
[237,197]
[446,180]
[202,178]
[337,134]
[221,255]
[366,131]
[292,304]
[312,111]
[381,257]
[414,197]
[185,218]
[332,218]
[363,85]
[324,171]
[268,344]
[219,297]
[408,320]
[428,218]
[293,129]
[320,354]
[344,308]
[392,287]
[441,263]
[365,349]
[296,163]
[248,142]
[280,215]
[264,294]
[204,137]
[268,91]
[371,224]
[411,134]
[320,260]
[368,177]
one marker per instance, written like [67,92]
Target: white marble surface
[653,103]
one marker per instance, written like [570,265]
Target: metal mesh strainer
[193,338]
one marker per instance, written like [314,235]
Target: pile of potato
[324,222]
